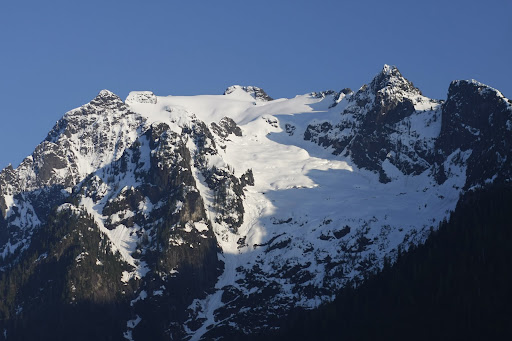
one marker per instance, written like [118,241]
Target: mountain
[215,216]
[455,286]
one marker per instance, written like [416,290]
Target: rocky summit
[215,216]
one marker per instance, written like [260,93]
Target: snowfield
[303,195]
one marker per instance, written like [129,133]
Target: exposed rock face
[336,96]
[376,126]
[139,224]
[227,190]
[257,93]
[340,96]
[324,94]
[84,140]
[226,127]
[139,199]
[478,118]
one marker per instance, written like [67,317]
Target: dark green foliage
[457,286]
[59,290]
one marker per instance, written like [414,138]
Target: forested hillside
[456,286]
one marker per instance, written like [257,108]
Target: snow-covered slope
[250,207]
[84,140]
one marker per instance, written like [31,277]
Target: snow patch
[130,325]
[142,296]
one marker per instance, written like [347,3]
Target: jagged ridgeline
[203,217]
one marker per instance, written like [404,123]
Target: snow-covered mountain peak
[391,78]
[104,100]
[388,98]
[236,209]
[106,96]
[85,139]
[141,97]
[255,92]
[389,69]
[106,93]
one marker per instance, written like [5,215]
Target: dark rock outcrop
[368,126]
[477,118]
[254,91]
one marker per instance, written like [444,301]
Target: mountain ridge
[236,210]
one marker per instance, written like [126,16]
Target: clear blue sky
[57,55]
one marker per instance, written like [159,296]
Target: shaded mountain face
[477,118]
[213,216]
[375,126]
